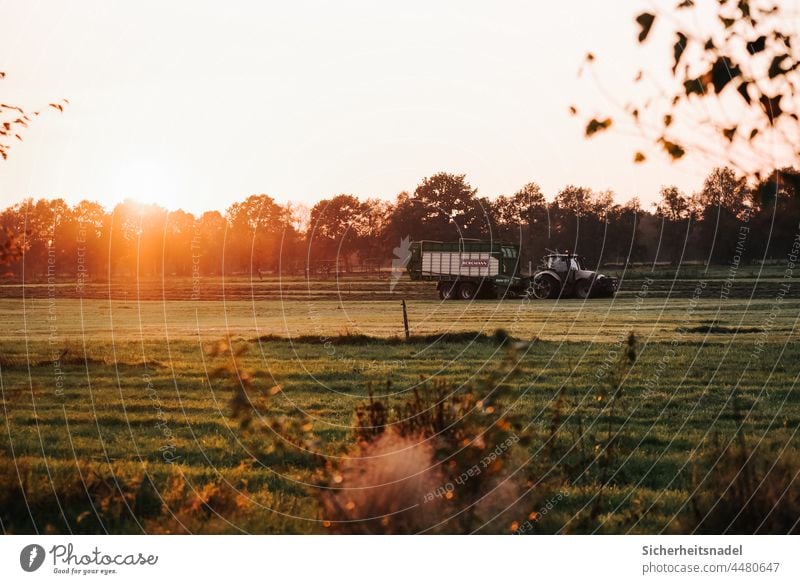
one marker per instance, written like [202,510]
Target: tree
[447,201]
[722,206]
[212,229]
[374,227]
[624,239]
[93,228]
[259,227]
[523,207]
[178,243]
[778,199]
[722,188]
[407,218]
[577,200]
[735,75]
[522,217]
[674,205]
[337,227]
[780,184]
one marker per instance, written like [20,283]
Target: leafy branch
[745,61]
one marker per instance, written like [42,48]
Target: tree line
[345,233]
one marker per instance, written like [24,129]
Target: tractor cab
[563,264]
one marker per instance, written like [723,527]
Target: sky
[196,105]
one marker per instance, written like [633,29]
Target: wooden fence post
[405,319]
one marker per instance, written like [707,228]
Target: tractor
[561,274]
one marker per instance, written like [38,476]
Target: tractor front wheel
[583,288]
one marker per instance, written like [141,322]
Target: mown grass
[71,321]
[138,434]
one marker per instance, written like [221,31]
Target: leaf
[678,49]
[596,125]
[639,158]
[645,20]
[775,68]
[772,107]
[744,8]
[691,86]
[722,72]
[786,39]
[729,133]
[676,151]
[742,89]
[757,45]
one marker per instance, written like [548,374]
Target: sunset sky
[195,105]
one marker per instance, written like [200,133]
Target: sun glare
[147,181]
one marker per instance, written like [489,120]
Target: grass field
[117,417]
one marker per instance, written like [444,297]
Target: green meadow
[121,415]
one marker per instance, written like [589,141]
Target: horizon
[305,104]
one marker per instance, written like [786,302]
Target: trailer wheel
[545,287]
[447,291]
[583,288]
[467,291]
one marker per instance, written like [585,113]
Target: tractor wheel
[583,288]
[546,287]
[467,291]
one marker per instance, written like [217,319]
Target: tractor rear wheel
[467,291]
